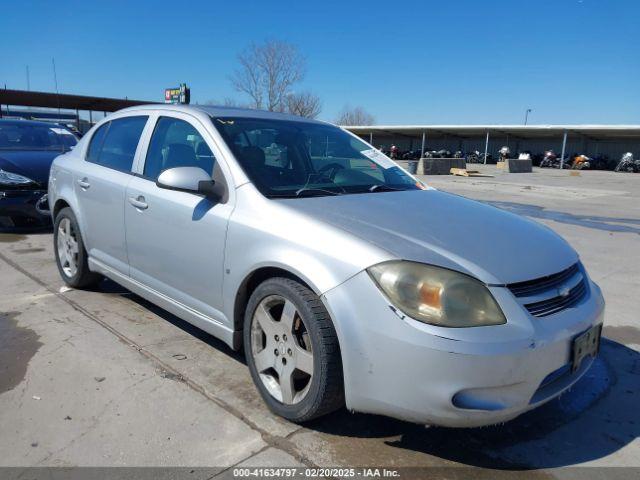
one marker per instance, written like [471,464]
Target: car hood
[33,164]
[447,230]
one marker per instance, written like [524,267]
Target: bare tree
[355,116]
[304,104]
[267,72]
[227,102]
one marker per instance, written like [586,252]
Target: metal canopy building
[66,101]
[52,100]
[591,140]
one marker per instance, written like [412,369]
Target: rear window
[30,136]
[96,143]
[114,144]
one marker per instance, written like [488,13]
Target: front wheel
[71,256]
[292,351]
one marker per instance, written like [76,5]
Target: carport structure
[591,140]
[26,98]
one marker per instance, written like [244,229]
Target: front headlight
[8,178]
[436,295]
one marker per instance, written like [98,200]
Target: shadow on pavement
[109,286]
[609,224]
[14,234]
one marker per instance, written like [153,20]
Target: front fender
[264,233]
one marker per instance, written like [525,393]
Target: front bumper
[24,208]
[462,377]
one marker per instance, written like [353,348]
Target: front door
[176,240]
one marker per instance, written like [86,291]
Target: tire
[71,256]
[312,332]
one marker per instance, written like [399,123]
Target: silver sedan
[345,279]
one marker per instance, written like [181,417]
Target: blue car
[27,149]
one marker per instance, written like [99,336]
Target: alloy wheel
[67,244]
[281,349]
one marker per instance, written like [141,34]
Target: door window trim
[143,147]
[107,123]
[143,159]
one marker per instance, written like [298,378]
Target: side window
[118,146]
[176,143]
[96,143]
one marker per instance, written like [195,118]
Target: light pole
[526,115]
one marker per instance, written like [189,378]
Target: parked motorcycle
[478,157]
[628,164]
[550,160]
[581,162]
[504,153]
[437,154]
[411,155]
[473,157]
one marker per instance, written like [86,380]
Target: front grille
[531,287]
[548,295]
[557,304]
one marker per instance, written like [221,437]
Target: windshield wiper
[380,187]
[305,192]
[308,191]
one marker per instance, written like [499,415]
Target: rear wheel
[71,256]
[292,351]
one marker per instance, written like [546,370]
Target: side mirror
[189,179]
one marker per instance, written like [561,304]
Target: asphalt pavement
[104,378]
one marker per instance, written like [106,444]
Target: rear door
[100,184]
[176,240]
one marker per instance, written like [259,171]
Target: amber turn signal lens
[431,295]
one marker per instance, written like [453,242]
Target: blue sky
[571,61]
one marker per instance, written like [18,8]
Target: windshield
[25,136]
[293,159]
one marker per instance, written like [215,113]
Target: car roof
[35,123]
[220,111]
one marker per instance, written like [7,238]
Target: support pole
[371,138]
[486,148]
[564,146]
[90,118]
[424,139]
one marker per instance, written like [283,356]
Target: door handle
[138,202]
[84,183]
